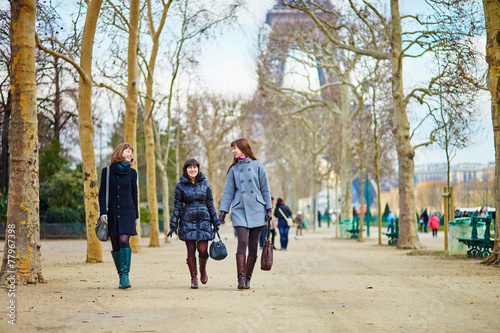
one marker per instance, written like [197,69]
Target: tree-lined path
[321,284]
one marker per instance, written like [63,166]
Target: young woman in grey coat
[194,217]
[247,194]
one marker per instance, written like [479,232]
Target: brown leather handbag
[266,259]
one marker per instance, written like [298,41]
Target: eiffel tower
[285,22]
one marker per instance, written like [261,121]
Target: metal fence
[55,230]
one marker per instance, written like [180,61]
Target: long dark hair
[245,147]
[187,164]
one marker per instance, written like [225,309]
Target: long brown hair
[117,157]
[245,147]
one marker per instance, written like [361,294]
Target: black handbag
[218,250]
[101,227]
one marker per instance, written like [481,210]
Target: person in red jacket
[434,224]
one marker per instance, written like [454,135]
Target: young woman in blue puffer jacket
[194,217]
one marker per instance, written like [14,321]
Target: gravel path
[320,284]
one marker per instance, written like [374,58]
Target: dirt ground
[320,284]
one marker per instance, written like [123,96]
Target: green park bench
[479,247]
[355,228]
[393,233]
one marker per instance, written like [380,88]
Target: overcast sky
[228,66]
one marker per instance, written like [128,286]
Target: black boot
[250,265]
[241,270]
[191,262]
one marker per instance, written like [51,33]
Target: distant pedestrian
[425,216]
[274,225]
[434,224]
[194,218]
[391,220]
[319,219]
[483,212]
[247,194]
[458,213]
[282,212]
[123,209]
[299,220]
[327,217]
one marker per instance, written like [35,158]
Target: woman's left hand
[269,216]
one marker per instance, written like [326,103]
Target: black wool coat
[123,209]
[194,212]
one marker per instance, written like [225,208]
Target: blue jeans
[284,237]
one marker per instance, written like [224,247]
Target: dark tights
[248,237]
[202,246]
[119,242]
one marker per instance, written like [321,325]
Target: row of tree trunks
[22,246]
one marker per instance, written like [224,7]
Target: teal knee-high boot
[126,256]
[118,264]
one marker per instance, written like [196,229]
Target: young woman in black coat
[194,217]
[122,208]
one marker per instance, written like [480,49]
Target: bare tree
[86,127]
[21,260]
[492,16]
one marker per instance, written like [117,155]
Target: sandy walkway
[320,284]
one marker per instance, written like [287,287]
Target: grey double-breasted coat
[247,189]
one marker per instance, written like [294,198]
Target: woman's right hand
[222,216]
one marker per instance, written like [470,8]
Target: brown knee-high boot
[191,262]
[203,269]
[241,270]
[250,265]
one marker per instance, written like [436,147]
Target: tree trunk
[4,159]
[361,178]
[154,233]
[492,17]
[86,130]
[57,99]
[362,203]
[164,185]
[377,167]
[21,259]
[345,159]
[211,153]
[131,102]
[408,236]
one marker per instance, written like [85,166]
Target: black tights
[202,246]
[248,237]
[119,242]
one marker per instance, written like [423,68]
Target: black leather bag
[218,250]
[101,227]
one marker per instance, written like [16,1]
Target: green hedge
[63,215]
